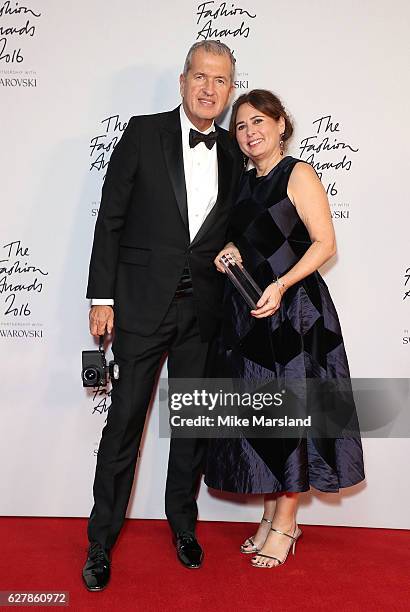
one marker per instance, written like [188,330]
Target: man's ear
[181,84]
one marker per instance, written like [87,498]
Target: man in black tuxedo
[163,218]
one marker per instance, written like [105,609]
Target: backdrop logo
[221,21]
[21,281]
[241,81]
[101,148]
[331,156]
[101,400]
[101,405]
[18,27]
[102,145]
[406,285]
[216,20]
[18,82]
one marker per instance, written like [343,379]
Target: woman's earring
[245,162]
[281,144]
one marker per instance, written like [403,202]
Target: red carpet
[335,568]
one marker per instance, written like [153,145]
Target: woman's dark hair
[267,103]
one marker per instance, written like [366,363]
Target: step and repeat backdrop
[71,76]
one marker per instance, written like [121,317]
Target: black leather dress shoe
[96,571]
[189,551]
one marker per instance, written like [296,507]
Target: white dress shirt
[201,181]
[201,176]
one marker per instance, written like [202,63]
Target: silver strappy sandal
[249,551]
[294,538]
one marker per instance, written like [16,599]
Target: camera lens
[90,375]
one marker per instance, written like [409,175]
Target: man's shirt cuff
[102,302]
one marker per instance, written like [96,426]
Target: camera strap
[101,349]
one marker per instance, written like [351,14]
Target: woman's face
[257,134]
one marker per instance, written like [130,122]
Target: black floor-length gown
[303,340]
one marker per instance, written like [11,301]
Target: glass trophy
[241,279]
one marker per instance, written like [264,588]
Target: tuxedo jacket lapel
[171,139]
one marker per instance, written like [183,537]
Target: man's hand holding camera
[101,320]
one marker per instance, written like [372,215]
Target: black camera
[95,370]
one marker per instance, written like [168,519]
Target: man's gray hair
[210,46]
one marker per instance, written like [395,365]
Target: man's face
[206,88]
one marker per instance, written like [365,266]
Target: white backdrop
[65,69]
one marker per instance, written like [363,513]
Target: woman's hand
[229,249]
[269,302]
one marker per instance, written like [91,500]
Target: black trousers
[139,359]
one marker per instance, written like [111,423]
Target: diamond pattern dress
[303,340]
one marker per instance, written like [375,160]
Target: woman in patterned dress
[281,230]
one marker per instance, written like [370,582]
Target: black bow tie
[196,137]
